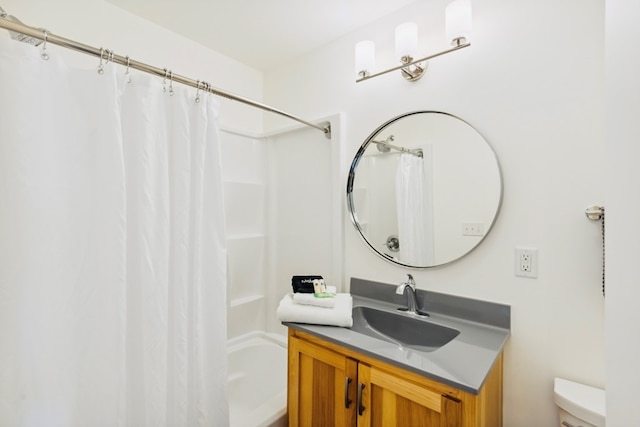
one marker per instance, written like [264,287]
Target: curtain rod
[109,56]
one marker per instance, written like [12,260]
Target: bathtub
[257,380]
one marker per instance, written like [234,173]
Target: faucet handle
[411,282]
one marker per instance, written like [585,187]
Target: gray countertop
[463,362]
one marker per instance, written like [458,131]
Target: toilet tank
[579,405]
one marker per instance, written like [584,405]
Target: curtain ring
[164,81]
[171,83]
[198,92]
[44,55]
[126,73]
[101,66]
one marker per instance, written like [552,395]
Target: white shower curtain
[414,206]
[112,250]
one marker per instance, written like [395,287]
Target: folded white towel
[311,299]
[338,315]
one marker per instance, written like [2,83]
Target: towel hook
[44,55]
[596,213]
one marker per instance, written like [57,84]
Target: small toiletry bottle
[319,286]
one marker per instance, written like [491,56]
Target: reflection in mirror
[424,189]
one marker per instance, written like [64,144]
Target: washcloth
[338,315]
[326,299]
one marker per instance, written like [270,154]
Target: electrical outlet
[526,262]
[472,229]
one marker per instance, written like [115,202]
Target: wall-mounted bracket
[594,213]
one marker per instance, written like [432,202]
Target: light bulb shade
[458,20]
[407,39]
[365,56]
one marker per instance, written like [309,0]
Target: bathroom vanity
[355,377]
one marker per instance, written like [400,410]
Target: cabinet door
[388,400]
[322,386]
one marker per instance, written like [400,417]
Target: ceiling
[261,33]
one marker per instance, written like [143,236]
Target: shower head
[18,36]
[383,148]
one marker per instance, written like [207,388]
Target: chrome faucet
[409,288]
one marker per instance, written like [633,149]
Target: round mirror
[424,189]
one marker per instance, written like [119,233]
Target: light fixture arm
[416,63]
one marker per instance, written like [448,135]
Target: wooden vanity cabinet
[332,386]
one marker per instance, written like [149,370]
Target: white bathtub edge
[263,415]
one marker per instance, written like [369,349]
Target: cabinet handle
[361,408]
[347,401]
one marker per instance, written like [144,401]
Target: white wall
[299,211]
[305,234]
[532,84]
[622,206]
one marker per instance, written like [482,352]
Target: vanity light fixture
[458,30]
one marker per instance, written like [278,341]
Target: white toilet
[579,405]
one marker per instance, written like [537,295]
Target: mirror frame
[352,174]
